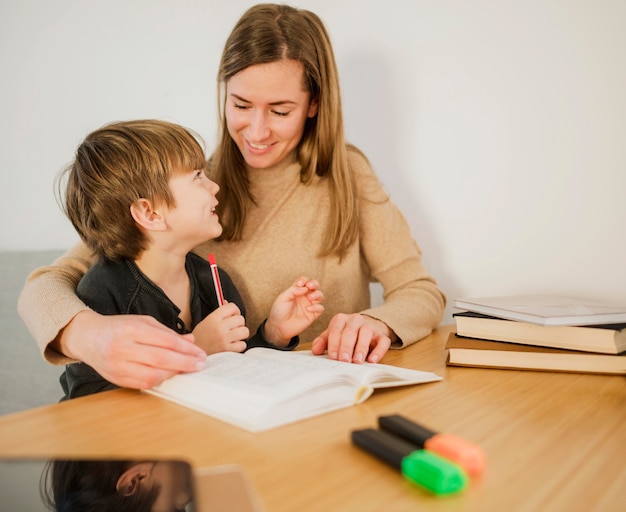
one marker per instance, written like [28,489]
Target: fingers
[314,295]
[144,339]
[315,298]
[341,336]
[234,327]
[364,339]
[380,349]
[236,346]
[311,284]
[229,309]
[132,350]
[223,330]
[152,333]
[320,343]
[303,285]
[143,366]
[149,343]
[352,338]
[315,309]
[139,376]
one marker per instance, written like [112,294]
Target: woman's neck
[277,176]
[277,167]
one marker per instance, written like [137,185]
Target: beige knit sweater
[281,241]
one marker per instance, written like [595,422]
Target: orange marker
[466,454]
[216,280]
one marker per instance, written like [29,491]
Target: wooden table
[554,441]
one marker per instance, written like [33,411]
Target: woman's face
[266,109]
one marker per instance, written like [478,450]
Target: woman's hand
[133,351]
[354,338]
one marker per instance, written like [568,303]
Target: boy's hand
[224,330]
[293,311]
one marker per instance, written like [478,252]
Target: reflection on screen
[94,485]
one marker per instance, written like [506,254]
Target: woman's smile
[267,107]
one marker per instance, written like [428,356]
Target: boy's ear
[130,480]
[146,216]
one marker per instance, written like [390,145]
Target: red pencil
[216,280]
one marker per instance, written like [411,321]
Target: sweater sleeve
[413,304]
[258,340]
[48,300]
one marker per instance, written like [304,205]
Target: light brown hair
[268,33]
[115,166]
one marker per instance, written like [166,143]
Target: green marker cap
[433,472]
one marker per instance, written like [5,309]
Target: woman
[293,195]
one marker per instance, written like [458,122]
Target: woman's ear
[313,108]
[146,216]
[130,480]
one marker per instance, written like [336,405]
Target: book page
[257,392]
[375,375]
[260,375]
[250,372]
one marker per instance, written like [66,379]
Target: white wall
[498,127]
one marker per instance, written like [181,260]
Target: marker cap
[433,472]
[465,453]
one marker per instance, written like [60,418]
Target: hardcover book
[492,354]
[607,339]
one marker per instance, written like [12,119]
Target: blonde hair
[268,33]
[115,166]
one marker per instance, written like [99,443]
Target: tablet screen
[28,485]
[77,485]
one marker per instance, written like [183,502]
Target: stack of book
[539,333]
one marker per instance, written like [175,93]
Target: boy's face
[193,220]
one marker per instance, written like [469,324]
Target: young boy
[138,197]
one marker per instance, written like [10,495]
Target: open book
[264,388]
